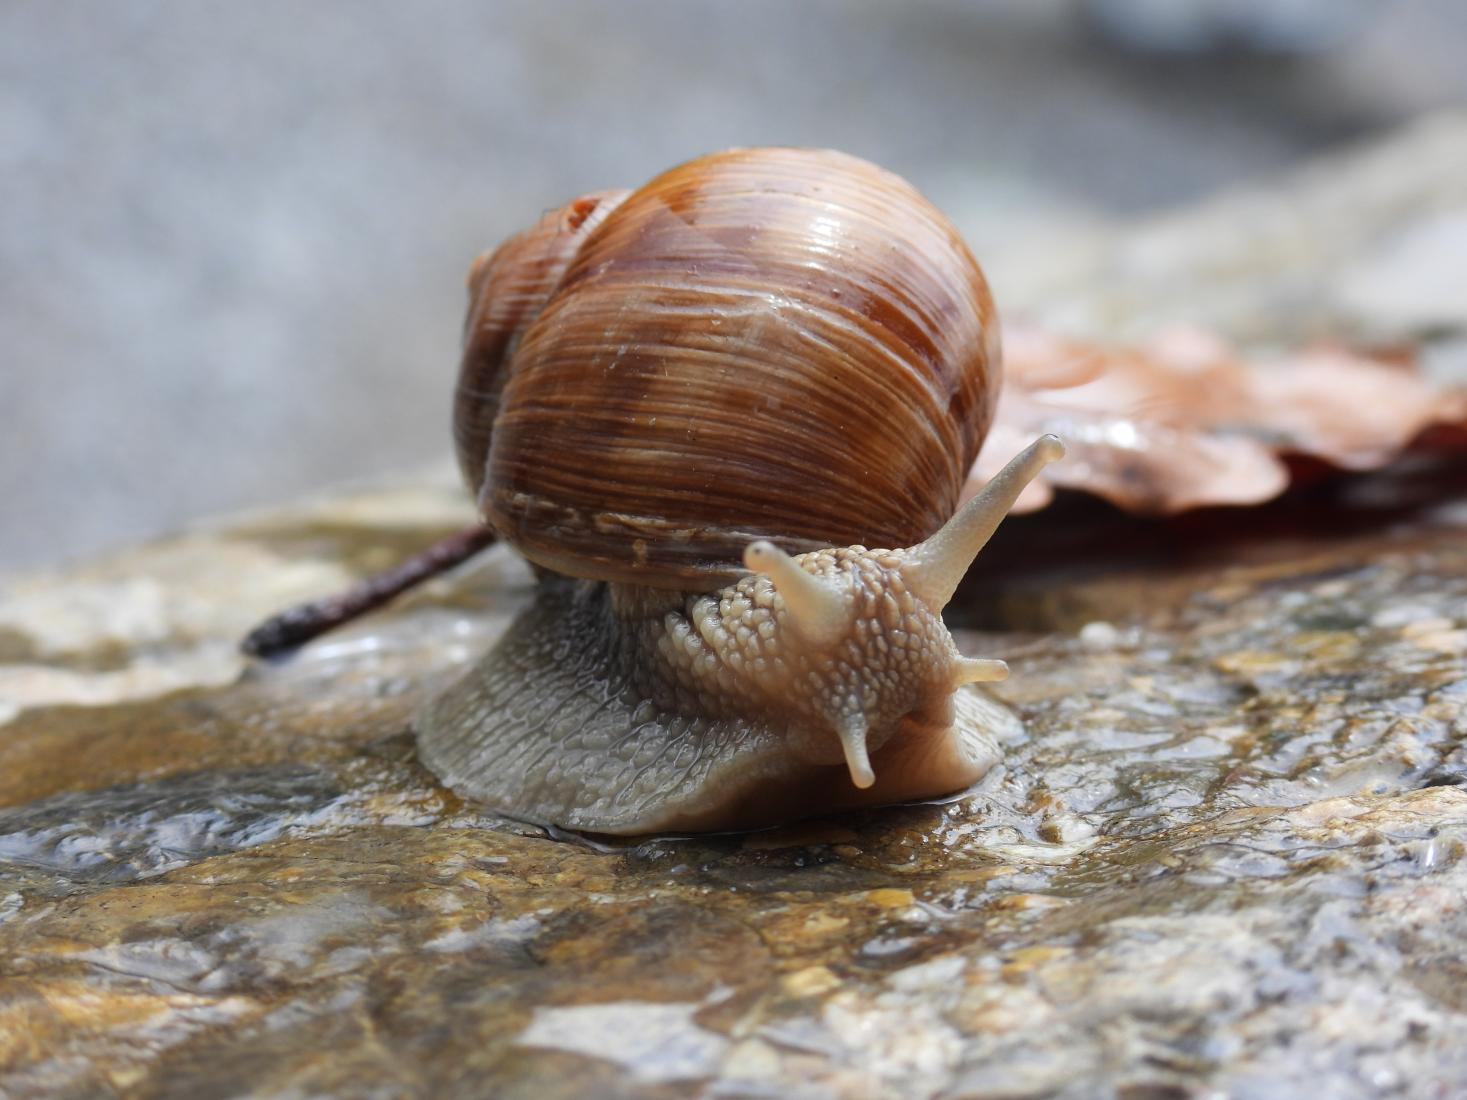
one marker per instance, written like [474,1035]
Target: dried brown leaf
[1185,421]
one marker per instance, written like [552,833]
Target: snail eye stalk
[817,609]
[933,568]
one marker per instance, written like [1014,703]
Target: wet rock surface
[1227,856]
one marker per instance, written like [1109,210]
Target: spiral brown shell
[781,343]
[507,289]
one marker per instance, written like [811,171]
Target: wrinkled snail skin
[693,406]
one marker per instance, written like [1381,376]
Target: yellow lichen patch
[890,898]
[48,1014]
[1326,645]
[802,932]
[122,1077]
[822,923]
[1426,627]
[26,1026]
[810,982]
[1437,635]
[1019,902]
[82,1006]
[1026,959]
[1248,663]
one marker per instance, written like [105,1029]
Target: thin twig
[297,625]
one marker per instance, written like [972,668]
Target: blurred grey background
[234,235]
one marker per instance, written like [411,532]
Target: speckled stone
[1226,858]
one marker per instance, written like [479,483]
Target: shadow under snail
[693,407]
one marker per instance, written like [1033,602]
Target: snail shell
[670,390]
[780,343]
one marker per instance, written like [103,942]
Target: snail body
[693,407]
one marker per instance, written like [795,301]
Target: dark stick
[297,625]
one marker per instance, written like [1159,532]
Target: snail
[693,407]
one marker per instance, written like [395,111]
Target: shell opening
[934,567]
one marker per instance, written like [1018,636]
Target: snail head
[853,639]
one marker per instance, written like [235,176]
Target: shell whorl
[508,288]
[762,343]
